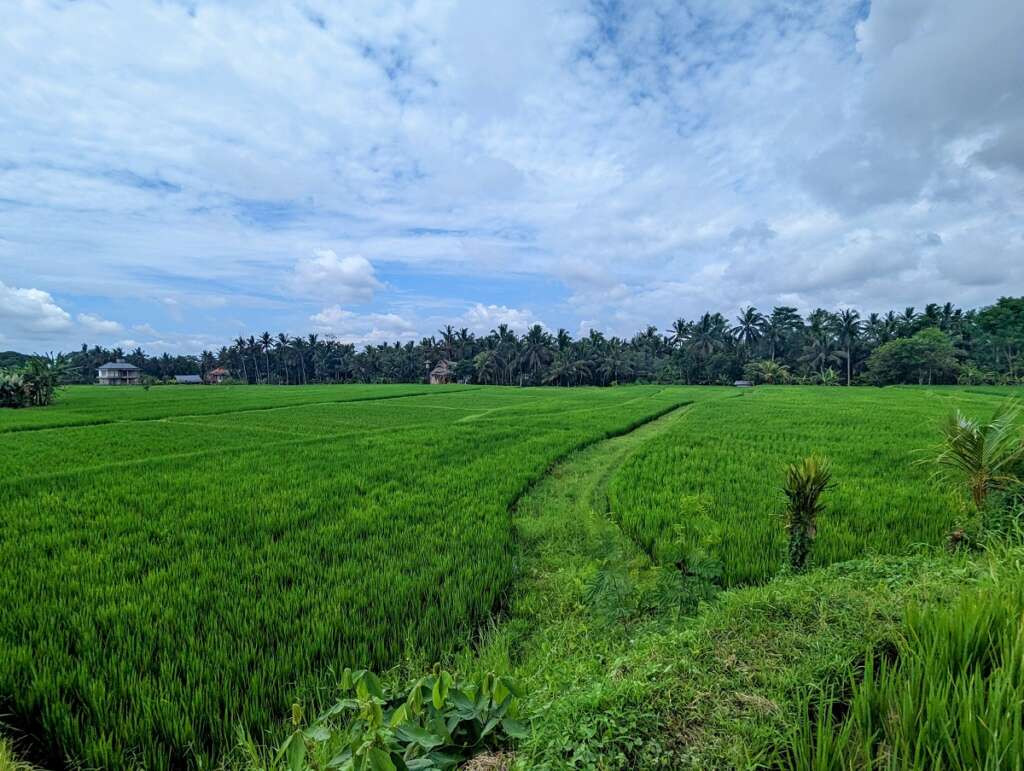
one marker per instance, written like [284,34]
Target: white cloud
[31,314]
[363,329]
[481,319]
[645,162]
[93,324]
[347,279]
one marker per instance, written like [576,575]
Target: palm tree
[679,331]
[282,346]
[984,453]
[750,327]
[847,325]
[254,348]
[300,348]
[908,321]
[819,351]
[708,334]
[487,366]
[448,340]
[615,366]
[265,342]
[770,372]
[240,347]
[536,350]
[563,339]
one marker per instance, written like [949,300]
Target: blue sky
[173,174]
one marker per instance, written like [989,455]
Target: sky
[174,174]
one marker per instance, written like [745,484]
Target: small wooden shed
[443,373]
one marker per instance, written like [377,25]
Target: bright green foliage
[805,482]
[190,568]
[927,357]
[982,453]
[435,725]
[953,697]
[721,466]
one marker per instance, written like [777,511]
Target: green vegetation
[435,725]
[163,578]
[939,344]
[730,687]
[805,482]
[172,567]
[715,480]
[983,453]
[34,383]
[951,694]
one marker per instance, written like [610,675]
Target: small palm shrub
[805,482]
[983,454]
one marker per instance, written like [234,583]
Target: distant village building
[188,380]
[119,373]
[443,373]
[218,375]
[743,384]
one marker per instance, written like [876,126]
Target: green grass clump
[714,482]
[171,576]
[951,696]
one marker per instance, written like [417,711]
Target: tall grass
[953,698]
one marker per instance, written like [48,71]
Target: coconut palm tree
[679,332]
[240,348]
[707,335]
[487,366]
[750,327]
[847,326]
[265,343]
[282,347]
[536,350]
[982,453]
[448,341]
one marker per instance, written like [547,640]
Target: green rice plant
[953,698]
[198,565]
[982,454]
[805,482]
[722,463]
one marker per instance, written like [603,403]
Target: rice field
[180,561]
[713,484]
[176,562]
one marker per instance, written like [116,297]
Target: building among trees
[119,373]
[218,375]
[444,372]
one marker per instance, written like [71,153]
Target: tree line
[940,344]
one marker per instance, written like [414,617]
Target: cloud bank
[209,169]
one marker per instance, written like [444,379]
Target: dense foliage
[169,575]
[941,344]
[34,383]
[436,724]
